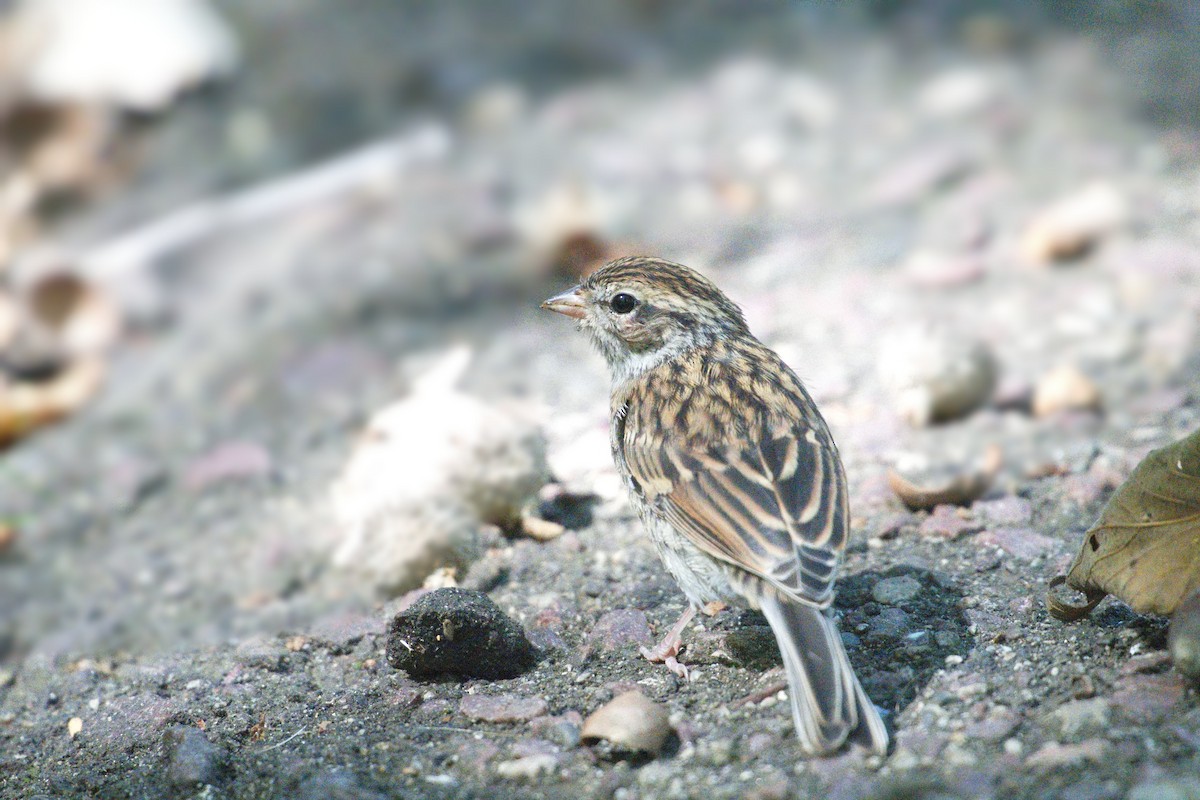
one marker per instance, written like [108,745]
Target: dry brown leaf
[961,490]
[1145,548]
[630,721]
[25,407]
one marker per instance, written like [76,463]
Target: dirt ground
[843,176]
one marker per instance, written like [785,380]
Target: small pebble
[502,708]
[528,768]
[1020,542]
[1055,755]
[897,590]
[621,627]
[191,758]
[946,523]
[1074,224]
[1081,717]
[1065,388]
[935,374]
[889,624]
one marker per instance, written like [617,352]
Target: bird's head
[642,311]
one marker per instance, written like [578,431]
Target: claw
[665,651]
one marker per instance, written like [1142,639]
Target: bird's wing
[776,509]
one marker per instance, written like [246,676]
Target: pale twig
[303,728]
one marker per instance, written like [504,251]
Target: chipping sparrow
[734,473]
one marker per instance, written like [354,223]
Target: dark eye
[623,303]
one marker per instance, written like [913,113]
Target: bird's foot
[665,651]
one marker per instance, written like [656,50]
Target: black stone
[458,632]
[753,646]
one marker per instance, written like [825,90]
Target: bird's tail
[829,705]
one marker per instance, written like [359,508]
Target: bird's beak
[569,303]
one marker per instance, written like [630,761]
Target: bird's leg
[665,651]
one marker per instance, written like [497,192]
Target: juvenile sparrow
[734,473]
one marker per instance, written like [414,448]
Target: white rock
[427,474]
[1067,228]
[1065,388]
[957,92]
[936,375]
[137,54]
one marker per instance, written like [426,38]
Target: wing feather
[776,509]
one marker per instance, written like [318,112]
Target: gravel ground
[171,587]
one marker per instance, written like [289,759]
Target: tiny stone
[460,632]
[1020,542]
[897,590]
[502,708]
[527,768]
[890,623]
[1081,717]
[620,628]
[191,758]
[945,523]
[1054,754]
[1006,511]
[1145,699]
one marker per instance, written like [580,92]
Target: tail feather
[829,706]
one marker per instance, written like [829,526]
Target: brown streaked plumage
[734,474]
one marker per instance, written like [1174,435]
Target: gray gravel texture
[170,587]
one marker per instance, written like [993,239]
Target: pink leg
[666,650]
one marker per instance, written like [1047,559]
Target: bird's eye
[623,303]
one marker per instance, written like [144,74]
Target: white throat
[625,365]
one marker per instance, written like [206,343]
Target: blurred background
[231,232]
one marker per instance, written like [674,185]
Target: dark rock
[191,758]
[572,511]
[458,632]
[754,647]
[335,784]
[890,623]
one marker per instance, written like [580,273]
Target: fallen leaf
[961,490]
[630,722]
[74,726]
[1145,548]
